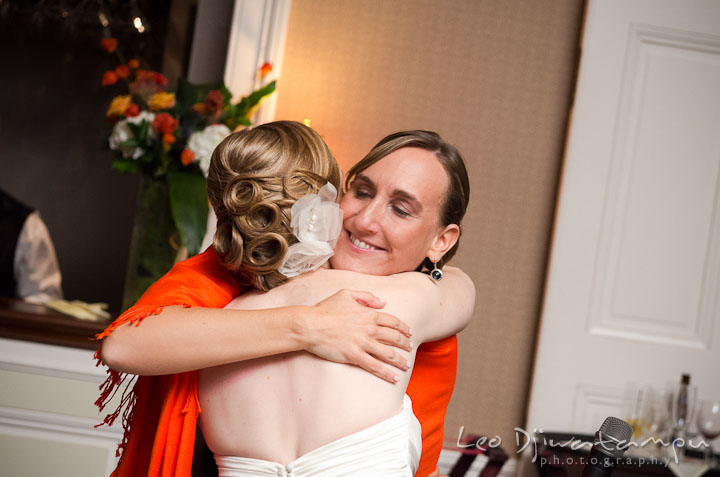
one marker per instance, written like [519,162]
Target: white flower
[317,217]
[203,143]
[316,220]
[303,257]
[121,133]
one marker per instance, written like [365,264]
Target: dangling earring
[436,273]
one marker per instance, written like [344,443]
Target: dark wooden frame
[25,321]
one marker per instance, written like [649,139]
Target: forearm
[183,339]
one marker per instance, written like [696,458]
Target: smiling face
[392,215]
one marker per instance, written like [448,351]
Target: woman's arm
[344,328]
[434,309]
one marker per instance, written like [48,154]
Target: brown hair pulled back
[255,177]
[457,196]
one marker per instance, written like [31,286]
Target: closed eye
[400,212]
[362,187]
[362,193]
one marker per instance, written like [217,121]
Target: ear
[443,242]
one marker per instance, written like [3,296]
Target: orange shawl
[160,412]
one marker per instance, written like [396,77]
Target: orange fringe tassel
[117,380]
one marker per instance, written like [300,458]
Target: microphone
[611,441]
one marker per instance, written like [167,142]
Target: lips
[362,244]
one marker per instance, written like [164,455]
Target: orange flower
[165,124]
[110,77]
[265,69]
[132,110]
[144,84]
[109,44]
[214,101]
[118,106]
[134,64]
[199,108]
[161,100]
[122,71]
[145,75]
[168,139]
[160,80]
[186,157]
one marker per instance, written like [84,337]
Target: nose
[368,218]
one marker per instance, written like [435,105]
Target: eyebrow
[414,202]
[363,178]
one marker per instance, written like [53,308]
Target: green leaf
[130,143]
[139,131]
[188,94]
[147,158]
[189,205]
[240,112]
[134,128]
[259,94]
[144,127]
[126,165]
[227,95]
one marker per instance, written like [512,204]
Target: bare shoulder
[418,295]
[455,278]
[434,309]
[456,274]
[405,286]
[455,285]
[408,295]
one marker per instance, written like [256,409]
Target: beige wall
[492,77]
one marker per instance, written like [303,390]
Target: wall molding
[592,404]
[50,360]
[61,428]
[690,329]
[257,35]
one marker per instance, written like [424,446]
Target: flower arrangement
[170,135]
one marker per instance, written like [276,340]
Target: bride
[294,413]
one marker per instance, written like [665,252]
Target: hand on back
[348,328]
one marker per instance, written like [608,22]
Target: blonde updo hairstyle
[255,177]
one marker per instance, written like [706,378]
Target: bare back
[281,407]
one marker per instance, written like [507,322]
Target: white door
[633,290]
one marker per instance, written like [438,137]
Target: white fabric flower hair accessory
[316,220]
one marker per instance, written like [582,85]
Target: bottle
[682,402]
[682,407]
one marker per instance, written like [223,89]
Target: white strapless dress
[389,448]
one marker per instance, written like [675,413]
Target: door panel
[633,287]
